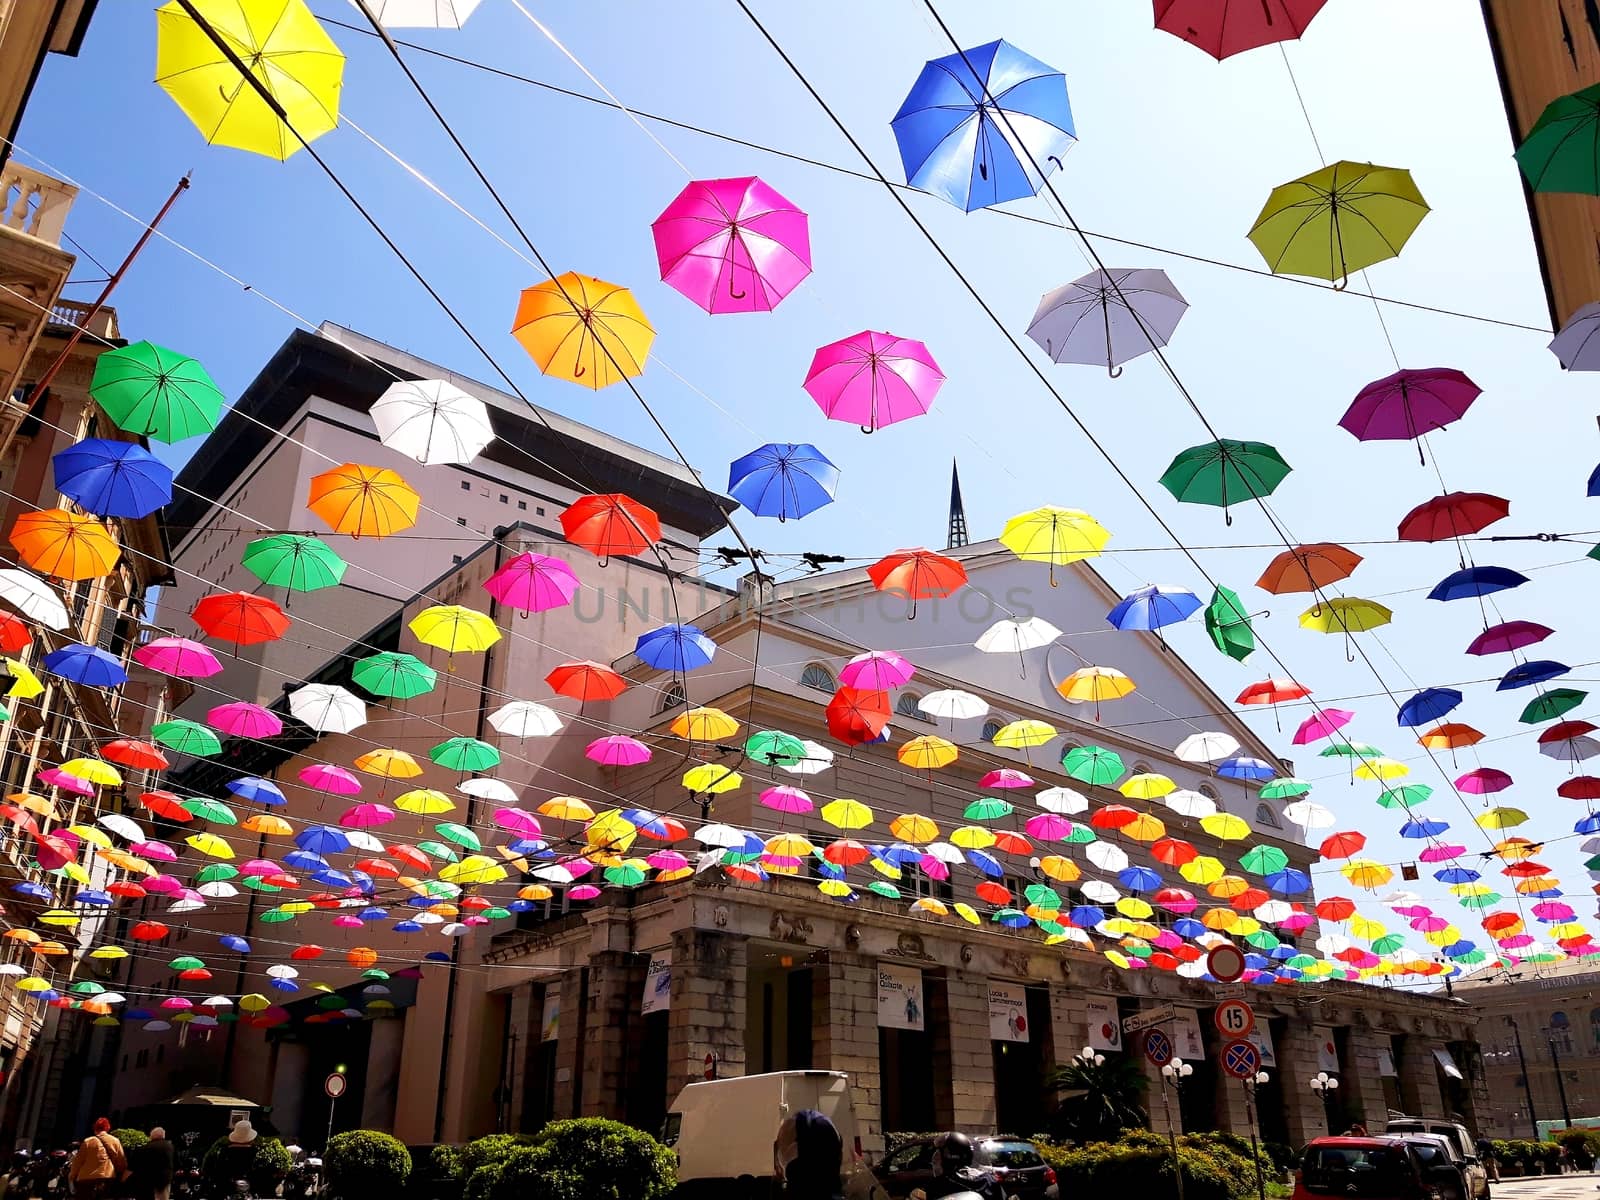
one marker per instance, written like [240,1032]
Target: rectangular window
[461,520]
[523,505]
[539,511]
[504,499]
[466,485]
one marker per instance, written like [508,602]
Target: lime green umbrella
[1406,796]
[1562,151]
[1228,623]
[211,810]
[1487,900]
[186,962]
[187,737]
[394,674]
[1389,943]
[1285,788]
[86,987]
[1093,765]
[294,561]
[459,834]
[374,973]
[1263,939]
[465,754]
[1552,704]
[1264,860]
[987,808]
[774,746]
[148,389]
[257,884]
[216,873]
[1043,896]
[624,875]
[1225,472]
[1340,219]
[1299,962]
[884,888]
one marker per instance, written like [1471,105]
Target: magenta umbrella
[876,671]
[1484,781]
[667,860]
[1508,636]
[618,750]
[366,816]
[178,656]
[154,851]
[518,822]
[328,778]
[1404,406]
[786,799]
[933,868]
[1048,826]
[1443,852]
[732,245]
[533,583]
[873,379]
[1553,910]
[166,885]
[244,719]
[1005,777]
[57,778]
[1322,724]
[260,866]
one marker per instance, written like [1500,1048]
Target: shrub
[131,1139]
[446,1162]
[364,1162]
[493,1148]
[481,1184]
[587,1159]
[1140,1163]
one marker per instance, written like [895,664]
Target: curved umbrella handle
[1053,158]
[1114,372]
[735,292]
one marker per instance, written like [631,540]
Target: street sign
[1231,991]
[1234,1019]
[1158,1047]
[334,1085]
[1149,1017]
[1225,963]
[1241,1060]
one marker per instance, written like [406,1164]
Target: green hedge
[1216,1166]
[271,1157]
[131,1139]
[585,1159]
[364,1162]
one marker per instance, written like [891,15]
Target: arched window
[819,677]
[991,727]
[671,698]
[1209,792]
[1141,768]
[906,706]
[1265,816]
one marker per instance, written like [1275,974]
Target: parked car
[1463,1147]
[1014,1161]
[1440,1164]
[1367,1168]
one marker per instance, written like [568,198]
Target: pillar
[1231,1106]
[1363,1075]
[526,1015]
[1419,1078]
[288,1093]
[616,982]
[1069,1023]
[959,1022]
[1296,1052]
[569,1043]
[707,1014]
[844,1030]
[379,1097]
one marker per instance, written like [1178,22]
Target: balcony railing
[75,314]
[34,203]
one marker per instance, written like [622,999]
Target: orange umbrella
[583,329]
[1307,568]
[585,681]
[612,524]
[1449,736]
[64,544]
[919,574]
[363,501]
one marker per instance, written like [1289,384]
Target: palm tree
[1100,1097]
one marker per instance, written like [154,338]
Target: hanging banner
[1327,1050]
[1008,1011]
[899,997]
[1261,1038]
[1386,1063]
[550,1023]
[1187,1040]
[1105,1031]
[657,984]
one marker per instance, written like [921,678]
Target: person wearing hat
[808,1155]
[237,1158]
[98,1164]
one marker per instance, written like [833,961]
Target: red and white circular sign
[1225,963]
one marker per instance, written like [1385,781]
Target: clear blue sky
[1176,151]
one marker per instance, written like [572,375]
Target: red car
[1363,1168]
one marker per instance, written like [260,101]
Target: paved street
[1553,1187]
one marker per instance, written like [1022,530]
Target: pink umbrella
[1412,910]
[178,656]
[56,777]
[327,778]
[1431,923]
[156,851]
[347,921]
[475,920]
[1484,781]
[667,860]
[1166,940]
[366,816]
[1517,941]
[1295,922]
[873,379]
[876,671]
[518,822]
[618,750]
[933,868]
[1322,724]
[1443,852]
[1508,636]
[166,885]
[584,891]
[1553,910]
[177,1002]
[732,245]
[243,719]
[1408,404]
[1584,949]
[786,799]
[1005,777]
[533,583]
[1048,826]
[260,866]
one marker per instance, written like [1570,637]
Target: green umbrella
[394,675]
[1487,900]
[1093,765]
[211,810]
[294,561]
[186,962]
[885,889]
[187,737]
[1138,949]
[86,987]
[1406,796]
[257,884]
[1225,472]
[624,875]
[151,390]
[374,973]
[331,1000]
[1053,928]
[1013,914]
[1389,943]
[1263,939]
[1264,860]
[1042,895]
[1081,835]
[1350,750]
[1285,788]
[1592,864]
[987,808]
[216,873]
[1594,553]
[496,913]
[1562,151]
[1471,958]
[459,834]
[1551,705]
[1299,962]
[465,754]
[774,746]
[1229,624]
[274,916]
[440,890]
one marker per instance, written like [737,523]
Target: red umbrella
[127,889]
[1581,787]
[1566,730]
[1342,845]
[241,618]
[1272,691]
[994,893]
[13,634]
[1250,899]
[166,804]
[1226,27]
[1526,869]
[141,755]
[1174,852]
[610,524]
[857,715]
[309,950]
[1113,816]
[846,852]
[1335,908]
[1008,842]
[1455,514]
[412,857]
[585,681]
[148,931]
[1307,568]
[919,574]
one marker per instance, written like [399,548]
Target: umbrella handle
[735,292]
[868,428]
[1343,283]
[1114,372]
[1053,158]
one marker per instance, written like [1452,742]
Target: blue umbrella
[262,791]
[283,985]
[1427,706]
[1594,483]
[783,480]
[1257,962]
[1013,918]
[1087,916]
[511,906]
[331,878]
[959,127]
[113,479]
[1476,581]
[1188,927]
[1138,879]
[91,896]
[1242,766]
[374,913]
[1549,893]
[322,839]
[1289,882]
[1281,952]
[1457,949]
[899,854]
[232,941]
[987,863]
[1423,827]
[305,860]
[675,648]
[1589,824]
[1154,606]
[1529,673]
[87,665]
[434,955]
[1457,875]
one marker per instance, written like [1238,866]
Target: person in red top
[98,1164]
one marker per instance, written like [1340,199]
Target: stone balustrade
[34,203]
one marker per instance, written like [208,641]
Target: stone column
[616,982]
[844,1032]
[1363,1076]
[1069,1023]
[708,1006]
[1296,1052]
[288,1090]
[570,1033]
[960,1023]
[524,1040]
[379,1097]
[1419,1078]
[1230,1105]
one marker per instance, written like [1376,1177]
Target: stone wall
[708,1006]
[844,1025]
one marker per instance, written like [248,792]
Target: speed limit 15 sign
[1234,1019]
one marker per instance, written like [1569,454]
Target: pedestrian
[1491,1164]
[151,1165]
[99,1165]
[808,1156]
[1356,1130]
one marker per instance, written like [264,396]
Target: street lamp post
[1561,1086]
[1325,1085]
[1173,1074]
[1252,1113]
[1527,1083]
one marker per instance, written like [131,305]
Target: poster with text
[1105,1031]
[900,1001]
[658,983]
[1187,1041]
[550,1023]
[1008,1011]
[1261,1038]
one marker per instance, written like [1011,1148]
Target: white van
[723,1131]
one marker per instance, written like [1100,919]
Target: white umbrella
[217,889]
[431,918]
[453,929]
[1189,804]
[1578,343]
[954,704]
[1099,891]
[554,872]
[327,708]
[283,971]
[114,998]
[1274,910]
[123,826]
[1013,637]
[1331,943]
[185,905]
[944,852]
[33,598]
[709,859]
[1062,800]
[1308,814]
[725,836]
[1590,845]
[818,758]
[1192,970]
[421,14]
[432,421]
[1574,749]
[1108,317]
[497,790]
[361,840]
[1207,747]
[217,1002]
[525,719]
[1402,897]
[1106,856]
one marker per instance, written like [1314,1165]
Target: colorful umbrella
[610,524]
[918,574]
[1228,624]
[178,657]
[1336,220]
[1225,472]
[876,669]
[732,245]
[33,598]
[1559,154]
[294,561]
[454,629]
[1427,706]
[1575,345]
[533,583]
[675,648]
[1308,568]
[1345,615]
[927,753]
[432,421]
[1552,704]
[64,545]
[617,750]
[187,737]
[1471,582]
[1108,317]
[704,725]
[150,390]
[1057,536]
[1453,515]
[465,754]
[112,479]
[1321,724]
[783,479]
[1409,404]
[1223,28]
[241,718]
[857,715]
[363,501]
[1094,684]
[422,14]
[583,329]
[1508,636]
[1093,765]
[585,681]
[327,708]
[873,379]
[1153,606]
[394,675]
[1529,674]
[240,618]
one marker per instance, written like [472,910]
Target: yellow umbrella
[711,778]
[929,905]
[1502,818]
[1345,615]
[583,329]
[1034,912]
[913,827]
[454,629]
[1470,889]
[108,953]
[1134,906]
[210,844]
[1538,883]
[1023,735]
[1145,931]
[88,833]
[1365,873]
[887,869]
[967,913]
[1144,828]
[283,47]
[1147,786]
[927,753]
[1202,870]
[31,802]
[1095,684]
[1219,918]
[1116,925]
[835,887]
[1366,928]
[64,917]
[705,725]
[33,984]
[1057,536]
[611,832]
[25,685]
[389,764]
[788,845]
[1225,826]
[847,814]
[566,808]
[266,823]
[972,837]
[1381,769]
[1061,869]
[75,873]
[424,802]
[1338,220]
[1246,925]
[474,868]
[1116,958]
[93,770]
[1450,935]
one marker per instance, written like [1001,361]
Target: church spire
[957,536]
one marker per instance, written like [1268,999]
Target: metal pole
[1255,1149]
[1527,1083]
[1561,1086]
[1172,1138]
[332,1100]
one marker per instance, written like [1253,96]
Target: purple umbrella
[1406,405]
[1577,346]
[1508,636]
[732,245]
[873,379]
[876,670]
[1484,781]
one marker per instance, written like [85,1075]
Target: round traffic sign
[1234,1019]
[1241,1060]
[1157,1047]
[1225,963]
[334,1085]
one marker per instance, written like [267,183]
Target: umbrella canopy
[1336,220]
[363,501]
[178,657]
[1529,674]
[1095,684]
[1471,582]
[873,379]
[64,545]
[394,675]
[454,628]
[583,329]
[1228,624]
[1225,472]
[432,421]
[1307,568]
[1153,606]
[1408,404]
[465,754]
[241,718]
[112,479]
[294,561]
[88,665]
[675,648]
[1093,765]
[150,390]
[879,669]
[327,708]
[1223,28]
[1453,515]
[1560,153]
[979,127]
[422,14]
[33,598]
[1345,615]
[1551,705]
[524,719]
[732,245]
[783,479]
[610,524]
[704,725]
[533,583]
[1321,724]
[240,618]
[585,681]
[1106,318]
[1508,636]
[1427,706]
[1057,536]
[1576,347]
[919,574]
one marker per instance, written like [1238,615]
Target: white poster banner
[1386,1063]
[1187,1041]
[900,1003]
[1327,1050]
[1105,1030]
[1261,1038]
[1008,1011]
[658,984]
[550,1022]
